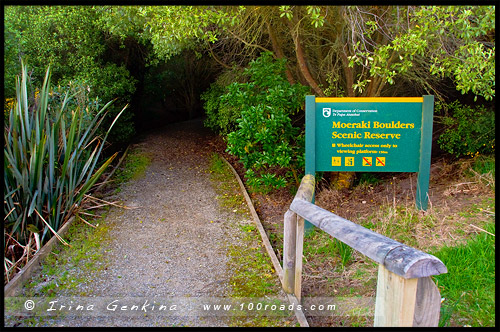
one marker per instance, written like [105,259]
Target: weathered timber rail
[406,295]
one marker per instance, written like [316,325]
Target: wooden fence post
[299,245]
[396,297]
[289,250]
[406,294]
[428,305]
[406,302]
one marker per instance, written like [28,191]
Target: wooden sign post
[382,134]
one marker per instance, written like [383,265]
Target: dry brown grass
[461,202]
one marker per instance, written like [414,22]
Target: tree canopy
[336,50]
[71,40]
[340,50]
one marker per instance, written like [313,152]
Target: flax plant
[51,160]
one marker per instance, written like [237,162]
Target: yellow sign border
[370,100]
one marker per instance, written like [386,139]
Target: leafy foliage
[337,50]
[172,29]
[216,118]
[112,82]
[455,42]
[221,107]
[266,141]
[51,157]
[72,40]
[262,83]
[469,130]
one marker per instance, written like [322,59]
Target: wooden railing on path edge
[406,294]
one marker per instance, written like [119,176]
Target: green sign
[371,135]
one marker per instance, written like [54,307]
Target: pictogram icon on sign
[349,161]
[336,161]
[380,161]
[367,161]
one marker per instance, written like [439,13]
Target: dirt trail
[173,244]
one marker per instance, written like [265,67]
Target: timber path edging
[13,287]
[269,248]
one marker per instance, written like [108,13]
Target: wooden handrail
[406,296]
[399,258]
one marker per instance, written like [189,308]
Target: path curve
[173,243]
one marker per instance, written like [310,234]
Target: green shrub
[221,109]
[108,82]
[213,109]
[266,142]
[51,156]
[469,131]
[257,115]
[73,38]
[80,99]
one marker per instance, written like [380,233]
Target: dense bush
[267,145]
[220,109]
[216,119]
[73,41]
[469,131]
[113,82]
[258,114]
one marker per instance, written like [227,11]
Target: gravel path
[173,243]
[168,247]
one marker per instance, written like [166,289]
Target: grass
[402,223]
[484,165]
[83,259]
[133,167]
[66,269]
[321,246]
[85,255]
[483,170]
[227,189]
[444,230]
[253,275]
[468,288]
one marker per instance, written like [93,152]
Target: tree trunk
[279,52]
[299,51]
[348,73]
